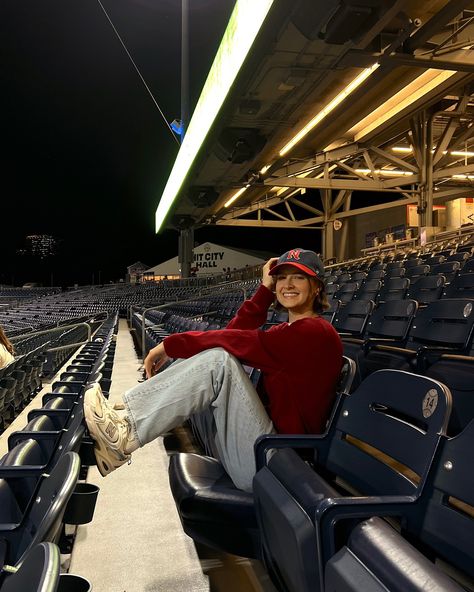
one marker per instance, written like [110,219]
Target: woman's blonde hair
[6,342]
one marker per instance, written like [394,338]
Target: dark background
[85,154]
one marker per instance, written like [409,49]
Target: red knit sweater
[300,363]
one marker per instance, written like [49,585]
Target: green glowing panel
[244,24]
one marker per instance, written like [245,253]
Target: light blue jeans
[212,380]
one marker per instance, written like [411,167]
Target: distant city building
[39,245]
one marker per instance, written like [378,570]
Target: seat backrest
[353,317]
[38,572]
[445,520]
[468,266]
[462,286]
[449,269]
[369,290]
[44,515]
[412,263]
[25,453]
[444,323]
[394,289]
[347,291]
[396,272]
[417,271]
[427,288]
[457,373]
[400,415]
[330,313]
[392,319]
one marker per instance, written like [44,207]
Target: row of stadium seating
[40,487]
[408,481]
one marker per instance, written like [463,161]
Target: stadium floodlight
[412,92]
[242,29]
[338,99]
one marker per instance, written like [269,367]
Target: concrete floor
[135,542]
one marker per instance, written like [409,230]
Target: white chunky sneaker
[112,433]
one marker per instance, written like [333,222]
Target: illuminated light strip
[235,196]
[244,25]
[408,150]
[411,93]
[264,169]
[388,172]
[329,108]
[461,177]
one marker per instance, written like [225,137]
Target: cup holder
[73,583]
[81,504]
[86,452]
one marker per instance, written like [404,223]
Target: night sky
[85,153]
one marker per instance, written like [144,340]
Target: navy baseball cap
[307,261]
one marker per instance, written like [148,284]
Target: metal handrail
[55,329]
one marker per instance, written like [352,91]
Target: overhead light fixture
[412,92]
[236,195]
[264,169]
[338,99]
[462,177]
[244,25]
[388,172]
[408,150]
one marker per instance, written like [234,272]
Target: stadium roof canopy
[340,96]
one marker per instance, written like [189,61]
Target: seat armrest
[273,441]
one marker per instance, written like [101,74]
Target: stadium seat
[375,445]
[394,289]
[427,289]
[38,571]
[212,510]
[352,318]
[462,286]
[377,559]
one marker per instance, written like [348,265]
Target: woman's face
[295,290]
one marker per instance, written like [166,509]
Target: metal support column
[341,254]
[185,251]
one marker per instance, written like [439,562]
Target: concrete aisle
[135,542]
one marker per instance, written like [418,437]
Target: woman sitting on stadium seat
[300,363]
[6,350]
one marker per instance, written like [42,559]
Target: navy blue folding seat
[331,290]
[413,262]
[427,289]
[394,289]
[42,518]
[346,291]
[352,318]
[449,269]
[212,510]
[389,324]
[369,290]
[442,327]
[395,272]
[378,559]
[413,273]
[458,256]
[468,266]
[433,260]
[462,286]
[381,445]
[331,312]
[38,571]
[457,373]
[344,278]
[377,266]
[376,274]
[358,276]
